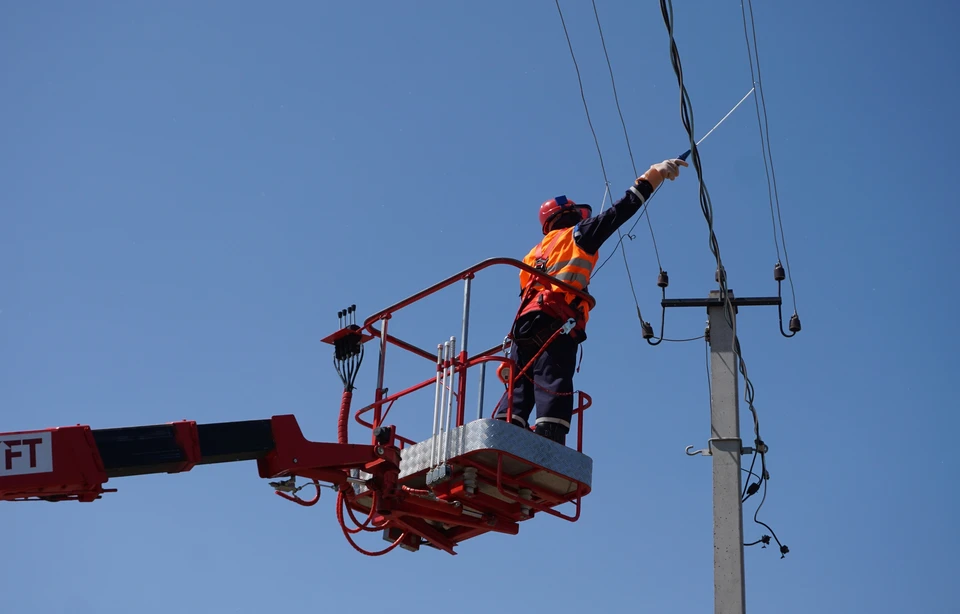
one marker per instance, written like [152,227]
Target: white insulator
[524,493]
[470,479]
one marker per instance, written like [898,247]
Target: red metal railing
[462,362]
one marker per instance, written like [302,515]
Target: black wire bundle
[686,115]
[348,349]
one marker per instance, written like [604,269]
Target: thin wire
[683,340]
[623,123]
[583,96]
[706,360]
[646,206]
[724,118]
[627,235]
[596,142]
[606,192]
[765,145]
[783,549]
[686,113]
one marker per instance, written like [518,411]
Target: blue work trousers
[548,382]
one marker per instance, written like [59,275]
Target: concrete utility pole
[725,446]
[729,592]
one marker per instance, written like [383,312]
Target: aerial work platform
[466,479]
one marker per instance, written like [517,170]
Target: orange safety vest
[558,255]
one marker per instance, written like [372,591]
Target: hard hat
[555,206]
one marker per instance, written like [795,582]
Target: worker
[568,252]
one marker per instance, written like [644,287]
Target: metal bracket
[709,452]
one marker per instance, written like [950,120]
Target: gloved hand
[668,169]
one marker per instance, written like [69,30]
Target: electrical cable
[765,146]
[666,7]
[596,141]
[686,114]
[623,123]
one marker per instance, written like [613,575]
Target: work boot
[553,431]
[514,420]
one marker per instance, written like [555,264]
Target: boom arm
[74,462]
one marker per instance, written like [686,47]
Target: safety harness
[535,297]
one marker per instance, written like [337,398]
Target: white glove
[668,169]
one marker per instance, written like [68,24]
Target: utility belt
[557,310]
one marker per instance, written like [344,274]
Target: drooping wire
[596,142]
[706,361]
[765,146]
[686,114]
[623,123]
[763,472]
[583,96]
[629,234]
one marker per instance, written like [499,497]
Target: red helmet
[555,206]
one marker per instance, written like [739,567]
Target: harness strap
[544,254]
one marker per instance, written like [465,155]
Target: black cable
[750,473]
[623,123]
[744,496]
[765,146]
[686,114]
[583,96]
[596,141]
[682,340]
[783,549]
[706,353]
[628,233]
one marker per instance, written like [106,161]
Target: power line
[686,114]
[623,123]
[765,146]
[596,141]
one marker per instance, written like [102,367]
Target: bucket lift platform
[490,474]
[466,479]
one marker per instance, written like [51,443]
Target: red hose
[341,503]
[300,501]
[343,421]
[365,525]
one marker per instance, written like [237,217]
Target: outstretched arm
[593,232]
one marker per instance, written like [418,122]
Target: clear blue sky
[190,191]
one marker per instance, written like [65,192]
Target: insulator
[794,325]
[720,272]
[663,280]
[778,272]
[647,330]
[470,479]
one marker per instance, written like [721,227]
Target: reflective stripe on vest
[565,260]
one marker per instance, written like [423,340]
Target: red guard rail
[462,362]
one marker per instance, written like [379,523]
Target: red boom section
[73,463]
[58,464]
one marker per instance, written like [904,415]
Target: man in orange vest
[568,252]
